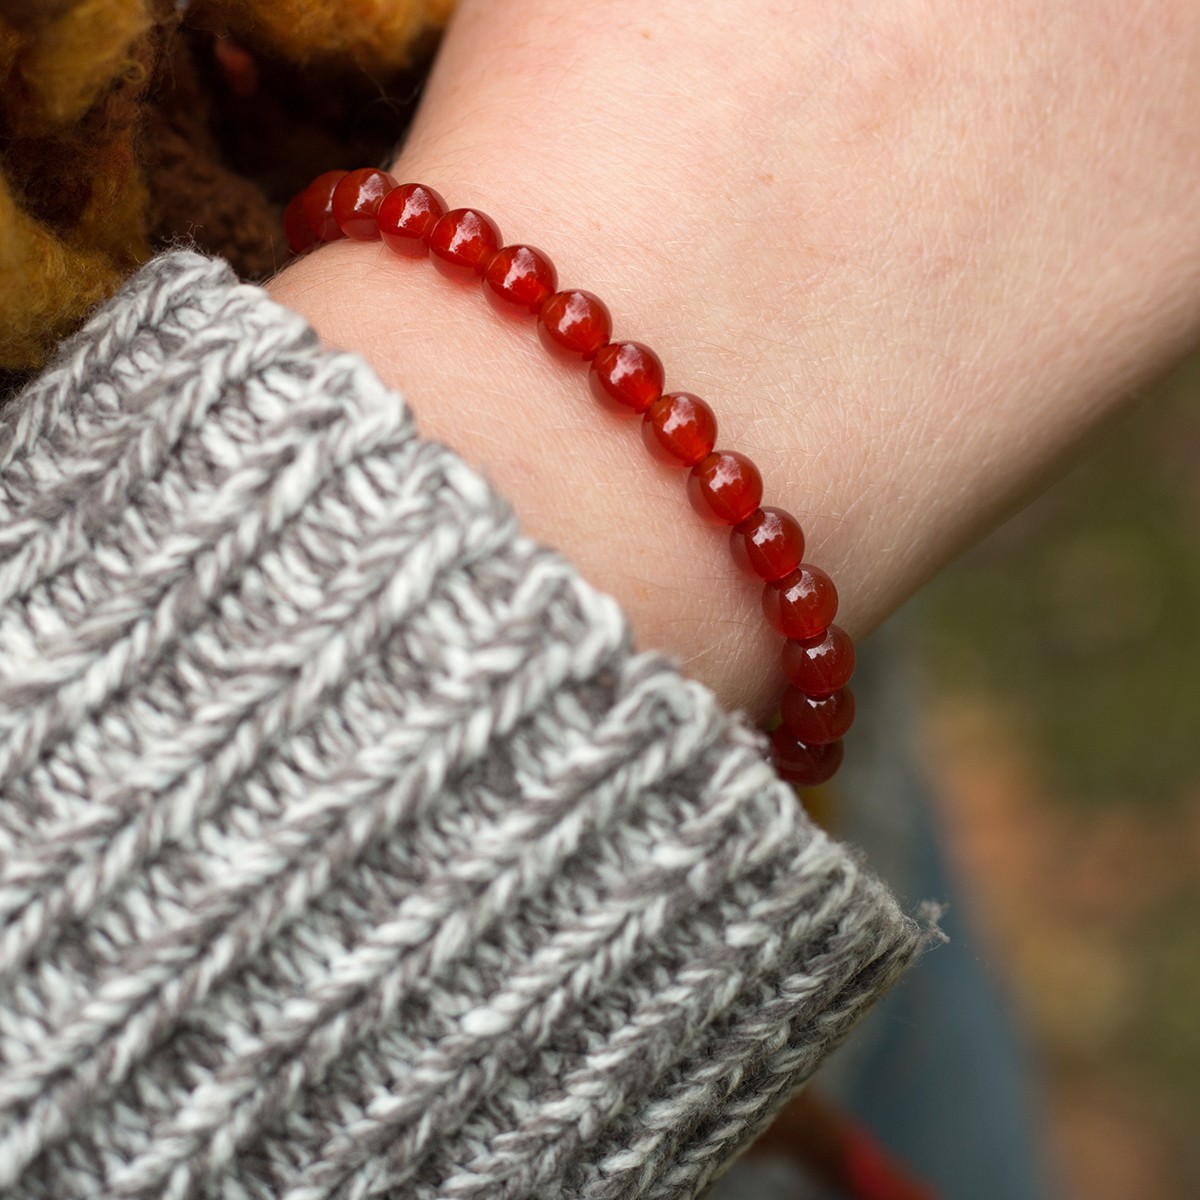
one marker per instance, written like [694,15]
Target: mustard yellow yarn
[51,78]
[376,35]
[61,70]
[75,91]
[47,286]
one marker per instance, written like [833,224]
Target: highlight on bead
[821,664]
[356,199]
[627,375]
[406,217]
[802,764]
[520,277]
[317,206]
[725,488]
[574,325]
[817,720]
[801,604]
[678,428]
[462,243]
[769,543]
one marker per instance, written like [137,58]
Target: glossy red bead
[679,428]
[725,487]
[356,200]
[769,543]
[520,278]
[802,764]
[574,325]
[822,664]
[300,237]
[316,202]
[626,375]
[817,720]
[802,604]
[462,243]
[406,217]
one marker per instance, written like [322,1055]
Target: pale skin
[913,253]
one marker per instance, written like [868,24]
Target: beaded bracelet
[724,487]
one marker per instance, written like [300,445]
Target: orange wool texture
[127,125]
[58,257]
[375,34]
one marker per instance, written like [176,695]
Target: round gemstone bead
[316,202]
[802,764]
[300,237]
[520,278]
[817,720]
[769,543]
[356,200]
[802,604]
[574,325]
[406,217]
[462,243]
[680,428]
[725,487]
[822,664]
[627,375]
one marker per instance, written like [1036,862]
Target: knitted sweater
[347,846]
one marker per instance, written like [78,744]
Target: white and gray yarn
[346,847]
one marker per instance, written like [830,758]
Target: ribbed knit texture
[347,849]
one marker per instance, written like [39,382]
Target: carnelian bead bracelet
[725,487]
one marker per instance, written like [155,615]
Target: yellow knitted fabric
[47,286]
[374,34]
[51,78]
[60,70]
[77,81]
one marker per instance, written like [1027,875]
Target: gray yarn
[347,849]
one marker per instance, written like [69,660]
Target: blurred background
[1061,664]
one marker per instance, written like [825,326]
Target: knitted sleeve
[347,848]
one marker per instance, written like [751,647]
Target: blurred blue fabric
[939,1072]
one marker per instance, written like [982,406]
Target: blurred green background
[1062,658]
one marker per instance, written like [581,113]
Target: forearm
[910,258]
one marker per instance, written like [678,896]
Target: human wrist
[900,378]
[575,473]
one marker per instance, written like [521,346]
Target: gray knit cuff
[346,847]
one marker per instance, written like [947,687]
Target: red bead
[679,428]
[462,243]
[802,764]
[817,720]
[627,375]
[769,543]
[822,664]
[406,217]
[300,237]
[802,604]
[520,277]
[316,202]
[574,325]
[356,201]
[725,487]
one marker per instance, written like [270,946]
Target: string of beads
[725,487]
